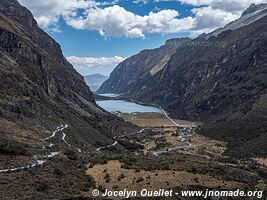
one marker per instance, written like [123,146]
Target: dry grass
[149,146]
[163,134]
[136,180]
[262,161]
[16,133]
[152,120]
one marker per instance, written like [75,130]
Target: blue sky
[95,35]
[89,43]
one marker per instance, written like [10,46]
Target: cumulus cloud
[207,19]
[118,22]
[233,6]
[213,14]
[108,21]
[89,65]
[112,20]
[48,12]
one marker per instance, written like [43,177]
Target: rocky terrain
[132,74]
[219,79]
[57,143]
[252,14]
[48,115]
[171,155]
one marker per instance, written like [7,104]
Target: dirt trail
[39,160]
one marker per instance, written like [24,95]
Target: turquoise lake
[124,106]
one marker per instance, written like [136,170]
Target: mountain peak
[253,13]
[13,10]
[254,8]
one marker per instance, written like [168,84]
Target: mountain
[41,94]
[252,14]
[94,81]
[133,73]
[219,80]
[39,85]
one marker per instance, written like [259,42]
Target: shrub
[58,172]
[122,176]
[71,154]
[141,179]
[42,186]
[148,177]
[89,182]
[107,178]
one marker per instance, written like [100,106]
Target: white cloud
[140,1]
[233,6]
[207,19]
[89,65]
[216,13]
[48,12]
[118,22]
[112,20]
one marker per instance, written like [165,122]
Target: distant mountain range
[218,78]
[94,81]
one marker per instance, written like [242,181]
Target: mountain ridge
[41,95]
[55,80]
[154,59]
[251,14]
[219,80]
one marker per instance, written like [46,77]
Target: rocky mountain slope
[132,74]
[220,80]
[40,91]
[40,86]
[94,81]
[252,14]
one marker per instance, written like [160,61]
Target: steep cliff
[46,110]
[39,88]
[132,74]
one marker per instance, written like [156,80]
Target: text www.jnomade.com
[170,193]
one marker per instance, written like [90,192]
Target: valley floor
[161,153]
[174,157]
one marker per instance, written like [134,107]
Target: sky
[96,35]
